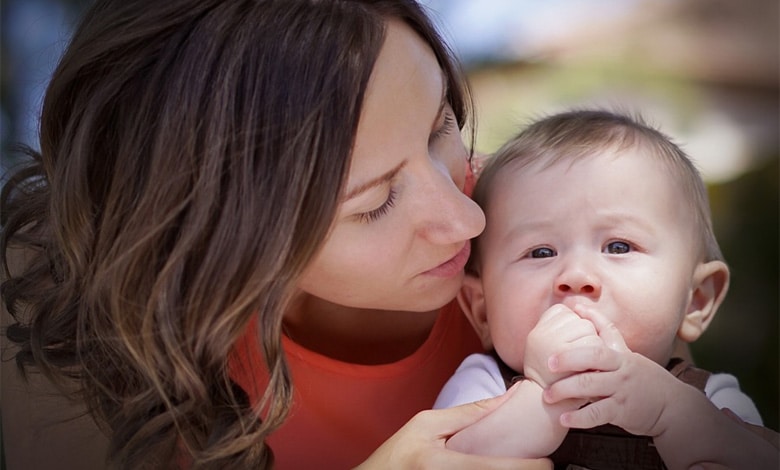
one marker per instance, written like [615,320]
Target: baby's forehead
[613,178]
[542,160]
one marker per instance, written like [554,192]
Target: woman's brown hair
[192,156]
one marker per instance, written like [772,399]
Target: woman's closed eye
[373,215]
[447,126]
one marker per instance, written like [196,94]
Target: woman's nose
[447,214]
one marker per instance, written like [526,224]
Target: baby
[597,265]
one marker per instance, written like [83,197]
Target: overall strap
[688,373]
[609,447]
[509,375]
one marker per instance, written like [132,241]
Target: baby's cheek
[654,342]
[511,348]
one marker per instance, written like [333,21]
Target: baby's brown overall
[609,447]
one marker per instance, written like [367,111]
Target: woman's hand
[420,443]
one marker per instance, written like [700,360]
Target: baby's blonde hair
[577,134]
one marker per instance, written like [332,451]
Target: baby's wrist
[534,376]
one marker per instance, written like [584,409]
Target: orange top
[342,412]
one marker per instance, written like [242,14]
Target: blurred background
[704,71]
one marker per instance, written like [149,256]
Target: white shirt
[478,378]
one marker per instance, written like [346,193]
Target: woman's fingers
[421,442]
[448,421]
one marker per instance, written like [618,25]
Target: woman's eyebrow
[360,189]
[381,179]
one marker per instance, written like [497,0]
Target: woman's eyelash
[367,217]
[446,127]
[371,216]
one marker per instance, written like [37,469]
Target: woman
[226,186]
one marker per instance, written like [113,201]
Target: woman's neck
[358,336]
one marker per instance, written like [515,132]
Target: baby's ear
[710,284]
[472,301]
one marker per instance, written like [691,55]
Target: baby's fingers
[591,385]
[588,357]
[606,329]
[592,415]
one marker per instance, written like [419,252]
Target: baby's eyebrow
[381,179]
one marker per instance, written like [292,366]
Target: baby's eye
[543,252]
[617,248]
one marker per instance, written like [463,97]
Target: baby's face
[610,231]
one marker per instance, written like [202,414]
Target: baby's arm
[524,425]
[637,394]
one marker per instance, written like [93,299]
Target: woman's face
[401,235]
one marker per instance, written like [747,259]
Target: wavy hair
[192,156]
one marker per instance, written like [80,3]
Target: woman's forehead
[405,65]
[402,101]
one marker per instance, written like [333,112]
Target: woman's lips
[454,265]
